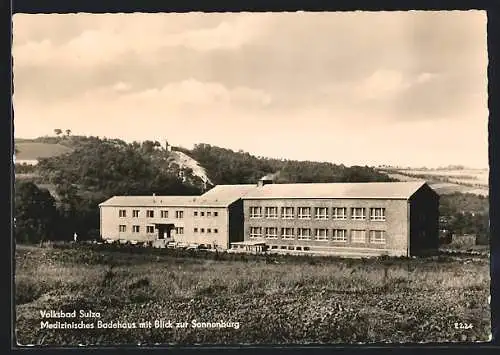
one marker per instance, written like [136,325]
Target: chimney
[268,179]
[154,197]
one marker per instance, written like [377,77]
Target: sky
[357,88]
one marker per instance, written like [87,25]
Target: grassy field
[444,181]
[37,150]
[273,300]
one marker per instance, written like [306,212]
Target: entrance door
[164,231]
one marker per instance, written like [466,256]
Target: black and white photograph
[251,178]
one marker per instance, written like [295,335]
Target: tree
[149,146]
[58,131]
[68,132]
[35,213]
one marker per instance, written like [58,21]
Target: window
[209,230]
[202,214]
[255,232]
[150,213]
[321,213]
[377,237]
[339,235]
[272,233]
[216,230]
[358,236]
[150,229]
[203,230]
[339,213]
[136,229]
[209,214]
[164,214]
[272,212]
[274,247]
[179,214]
[255,212]
[304,212]
[377,214]
[135,213]
[122,228]
[122,213]
[287,233]
[195,230]
[358,213]
[179,230]
[216,214]
[195,213]
[321,234]
[304,234]
[287,212]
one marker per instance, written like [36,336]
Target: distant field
[473,181]
[274,301]
[467,176]
[35,150]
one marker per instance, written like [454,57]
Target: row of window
[150,213]
[357,213]
[151,229]
[321,234]
[208,214]
[164,213]
[209,230]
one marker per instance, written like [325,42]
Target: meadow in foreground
[274,300]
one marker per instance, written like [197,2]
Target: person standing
[75,237]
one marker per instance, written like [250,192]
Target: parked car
[193,247]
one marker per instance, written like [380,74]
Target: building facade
[348,219]
[214,219]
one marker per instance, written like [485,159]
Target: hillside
[225,166]
[207,164]
[29,151]
[184,161]
[214,165]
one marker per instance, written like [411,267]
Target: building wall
[236,222]
[424,220]
[395,226]
[210,229]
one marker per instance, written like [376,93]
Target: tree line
[465,214]
[226,166]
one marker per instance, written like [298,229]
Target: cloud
[101,45]
[305,76]
[229,34]
[193,92]
[424,77]
[121,86]
[383,84]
